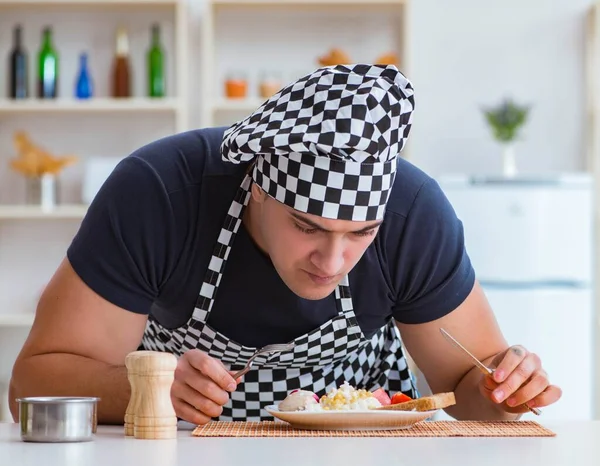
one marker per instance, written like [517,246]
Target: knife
[481,366]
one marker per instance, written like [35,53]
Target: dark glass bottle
[121,75]
[19,76]
[155,62]
[47,67]
[84,88]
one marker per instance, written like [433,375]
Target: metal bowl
[58,419]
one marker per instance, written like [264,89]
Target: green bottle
[47,67]
[155,62]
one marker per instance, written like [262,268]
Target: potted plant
[505,121]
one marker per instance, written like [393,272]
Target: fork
[277,348]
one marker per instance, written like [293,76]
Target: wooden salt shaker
[150,408]
[134,397]
[131,408]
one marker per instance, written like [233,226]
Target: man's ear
[258,194]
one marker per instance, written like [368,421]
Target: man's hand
[518,381]
[201,387]
[520,376]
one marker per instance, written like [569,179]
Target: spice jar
[236,86]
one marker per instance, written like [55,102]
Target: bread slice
[425,403]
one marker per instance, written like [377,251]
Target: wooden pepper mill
[150,413]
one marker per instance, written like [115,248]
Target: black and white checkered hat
[328,143]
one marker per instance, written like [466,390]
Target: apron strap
[221,251]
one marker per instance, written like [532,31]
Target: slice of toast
[425,403]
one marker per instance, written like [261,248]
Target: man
[284,227]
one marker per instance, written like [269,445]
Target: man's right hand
[201,387]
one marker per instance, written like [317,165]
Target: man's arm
[77,347]
[445,368]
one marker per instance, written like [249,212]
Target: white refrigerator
[531,243]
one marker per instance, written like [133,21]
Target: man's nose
[329,258]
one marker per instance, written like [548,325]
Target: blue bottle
[85,86]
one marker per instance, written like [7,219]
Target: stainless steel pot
[58,419]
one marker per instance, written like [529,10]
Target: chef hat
[328,143]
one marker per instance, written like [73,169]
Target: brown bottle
[121,76]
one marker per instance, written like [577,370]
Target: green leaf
[506,120]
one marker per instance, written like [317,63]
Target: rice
[348,398]
[344,398]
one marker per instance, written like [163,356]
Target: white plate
[350,420]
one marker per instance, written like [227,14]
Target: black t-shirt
[146,241]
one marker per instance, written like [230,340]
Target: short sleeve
[122,248]
[433,273]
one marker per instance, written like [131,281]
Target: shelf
[217,110]
[88,2]
[238,105]
[17,320]
[14,212]
[366,3]
[592,88]
[97,105]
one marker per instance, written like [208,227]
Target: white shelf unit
[111,3]
[23,319]
[236,105]
[177,105]
[31,239]
[213,103]
[94,105]
[342,3]
[592,87]
[33,212]
[592,146]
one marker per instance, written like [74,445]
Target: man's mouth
[320,279]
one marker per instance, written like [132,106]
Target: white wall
[467,54]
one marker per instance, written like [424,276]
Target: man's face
[311,254]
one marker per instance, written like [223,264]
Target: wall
[474,53]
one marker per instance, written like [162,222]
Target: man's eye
[365,233]
[308,231]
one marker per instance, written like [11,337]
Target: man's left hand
[519,381]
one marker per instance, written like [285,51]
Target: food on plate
[344,398]
[425,403]
[348,398]
[382,396]
[299,400]
[399,398]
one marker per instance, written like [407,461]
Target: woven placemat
[422,429]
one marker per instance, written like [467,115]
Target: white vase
[42,191]
[509,163]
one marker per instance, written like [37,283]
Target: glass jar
[236,85]
[270,84]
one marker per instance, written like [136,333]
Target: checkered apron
[323,359]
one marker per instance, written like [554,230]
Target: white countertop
[576,444]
